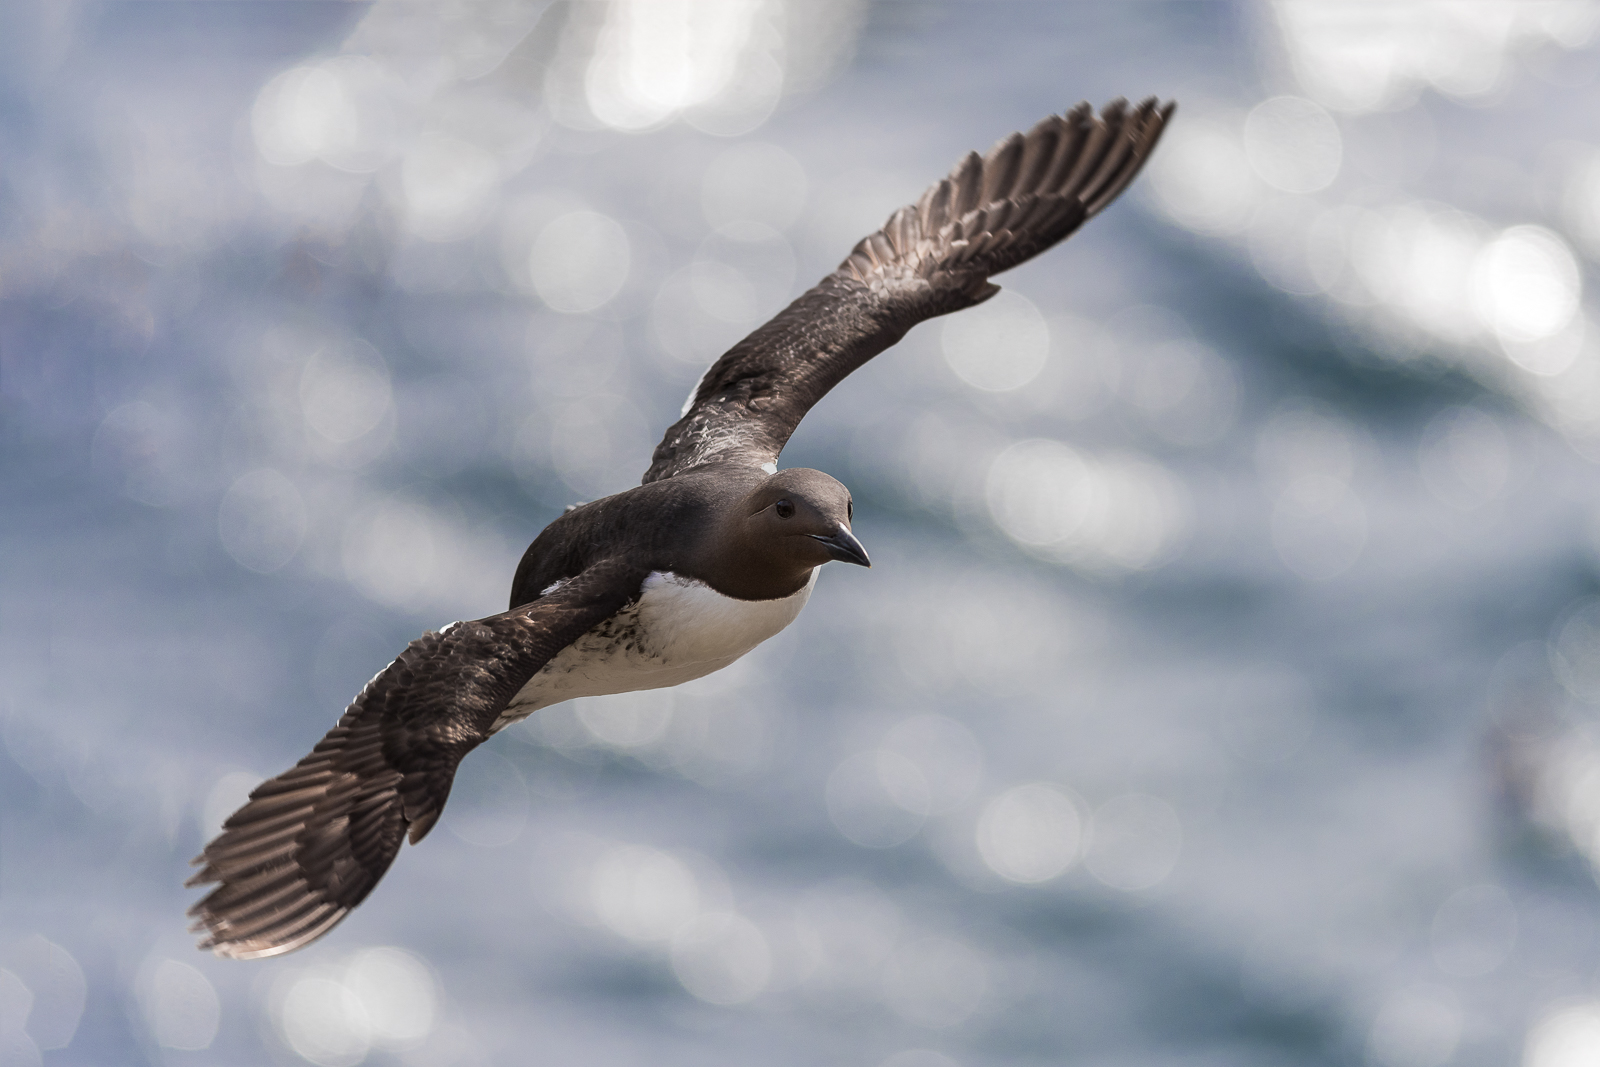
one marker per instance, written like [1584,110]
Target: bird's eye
[849,511]
[784,509]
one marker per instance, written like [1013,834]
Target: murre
[716,551]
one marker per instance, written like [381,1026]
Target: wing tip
[1118,110]
[259,947]
[292,924]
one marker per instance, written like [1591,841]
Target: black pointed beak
[843,546]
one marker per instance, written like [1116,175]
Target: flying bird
[714,552]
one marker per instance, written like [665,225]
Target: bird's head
[793,522]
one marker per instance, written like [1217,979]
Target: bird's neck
[734,565]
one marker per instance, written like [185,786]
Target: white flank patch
[771,468]
[687,621]
[679,630]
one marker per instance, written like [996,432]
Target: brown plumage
[931,258]
[311,843]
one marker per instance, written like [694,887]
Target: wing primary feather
[1098,138]
[1126,142]
[1149,134]
[1000,169]
[933,208]
[1079,126]
[966,183]
[1038,151]
[933,257]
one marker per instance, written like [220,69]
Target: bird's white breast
[678,630]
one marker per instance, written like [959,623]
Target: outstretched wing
[312,842]
[931,258]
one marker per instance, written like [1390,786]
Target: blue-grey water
[1224,690]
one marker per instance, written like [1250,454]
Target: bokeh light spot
[262,520]
[300,114]
[338,111]
[344,391]
[388,552]
[1581,201]
[1566,1037]
[324,1022]
[1293,144]
[1109,515]
[1416,1027]
[643,894]
[1526,283]
[1359,57]
[139,446]
[1575,650]
[1030,833]
[180,1006]
[944,751]
[722,958]
[1319,527]
[579,261]
[1185,391]
[655,58]
[52,989]
[878,799]
[1202,177]
[597,443]
[16,1002]
[398,993]
[449,187]
[1134,842]
[335,1013]
[1000,345]
[1464,457]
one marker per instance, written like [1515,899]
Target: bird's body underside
[713,553]
[678,630]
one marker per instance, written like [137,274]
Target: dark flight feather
[930,258]
[312,842]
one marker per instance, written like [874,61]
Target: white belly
[678,630]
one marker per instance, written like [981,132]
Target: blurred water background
[1225,688]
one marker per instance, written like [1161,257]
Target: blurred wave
[1225,687]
